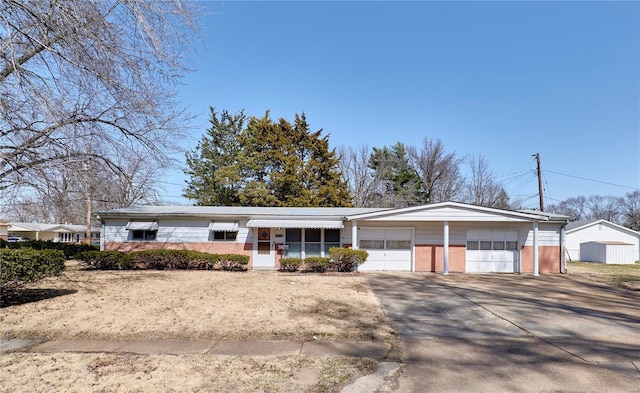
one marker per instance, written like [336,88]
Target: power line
[593,180]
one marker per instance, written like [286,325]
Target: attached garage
[388,248]
[492,252]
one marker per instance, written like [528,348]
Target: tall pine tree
[268,164]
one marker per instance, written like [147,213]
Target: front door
[263,254]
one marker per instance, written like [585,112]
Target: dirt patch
[165,373]
[199,305]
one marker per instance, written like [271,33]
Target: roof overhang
[290,223]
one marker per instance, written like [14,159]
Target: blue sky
[501,79]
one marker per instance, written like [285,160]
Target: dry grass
[197,305]
[71,372]
[623,276]
[123,305]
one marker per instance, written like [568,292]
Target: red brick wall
[430,258]
[210,247]
[548,259]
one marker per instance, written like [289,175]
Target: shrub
[316,264]
[233,262]
[26,265]
[106,260]
[69,249]
[346,259]
[290,264]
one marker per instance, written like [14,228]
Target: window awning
[327,224]
[224,226]
[142,226]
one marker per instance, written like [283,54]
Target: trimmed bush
[290,264]
[346,259]
[233,262]
[106,260]
[69,249]
[316,264]
[26,265]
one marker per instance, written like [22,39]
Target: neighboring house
[4,234]
[441,237]
[598,231]
[63,233]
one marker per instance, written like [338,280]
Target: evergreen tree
[402,183]
[213,167]
[267,164]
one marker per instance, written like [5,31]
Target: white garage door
[389,249]
[492,252]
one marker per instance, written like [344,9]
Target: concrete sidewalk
[368,349]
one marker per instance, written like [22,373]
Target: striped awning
[142,226]
[224,226]
[282,223]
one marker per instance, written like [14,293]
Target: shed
[579,232]
[607,252]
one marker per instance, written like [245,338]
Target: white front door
[263,253]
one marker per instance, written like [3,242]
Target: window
[143,234]
[485,245]
[312,242]
[331,239]
[293,237]
[224,235]
[472,245]
[398,244]
[498,245]
[372,244]
[512,246]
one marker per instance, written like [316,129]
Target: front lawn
[624,276]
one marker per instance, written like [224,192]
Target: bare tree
[439,171]
[603,207]
[482,188]
[79,74]
[630,210]
[365,187]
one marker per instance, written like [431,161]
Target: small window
[473,245]
[485,245]
[293,235]
[142,234]
[372,244]
[498,245]
[224,235]
[512,246]
[398,244]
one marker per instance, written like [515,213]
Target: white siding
[607,253]
[548,235]
[599,232]
[172,231]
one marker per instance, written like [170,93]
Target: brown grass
[623,276]
[197,305]
[123,305]
[72,372]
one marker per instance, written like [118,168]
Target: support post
[354,234]
[446,247]
[536,267]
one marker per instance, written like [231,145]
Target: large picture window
[311,242]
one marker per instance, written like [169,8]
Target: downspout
[563,258]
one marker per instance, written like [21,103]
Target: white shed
[598,231]
[607,252]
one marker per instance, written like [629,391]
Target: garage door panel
[389,249]
[497,251]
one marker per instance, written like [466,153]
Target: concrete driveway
[512,333]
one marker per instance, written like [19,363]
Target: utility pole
[537,156]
